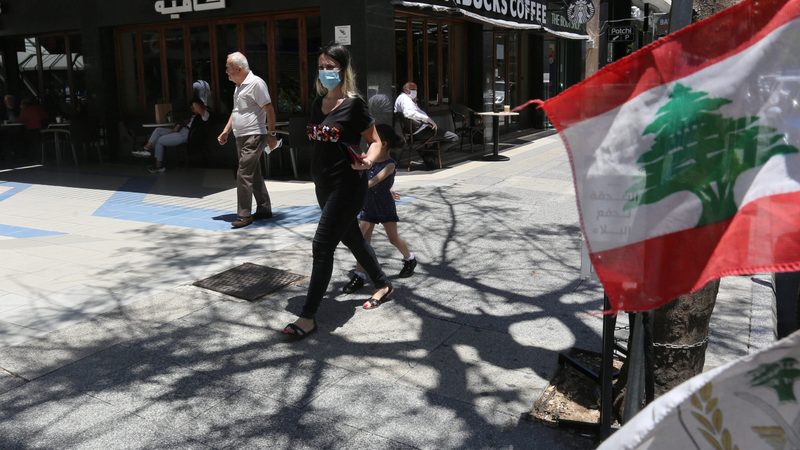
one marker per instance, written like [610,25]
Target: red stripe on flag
[764,236]
[673,57]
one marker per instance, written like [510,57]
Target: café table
[59,125]
[496,133]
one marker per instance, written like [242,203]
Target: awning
[515,14]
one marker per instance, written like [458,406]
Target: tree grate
[249,281]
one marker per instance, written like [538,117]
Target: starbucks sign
[580,11]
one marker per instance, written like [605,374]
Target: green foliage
[700,151]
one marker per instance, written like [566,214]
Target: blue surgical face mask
[329,78]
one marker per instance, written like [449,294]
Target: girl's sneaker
[408,268]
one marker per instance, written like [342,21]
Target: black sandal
[297,333]
[373,302]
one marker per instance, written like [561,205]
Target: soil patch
[571,395]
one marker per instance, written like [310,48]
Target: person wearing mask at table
[423,126]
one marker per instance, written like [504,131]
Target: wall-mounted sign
[342,34]
[620,33]
[184,6]
[514,14]
[532,13]
[580,11]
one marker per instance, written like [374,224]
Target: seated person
[171,137]
[10,110]
[31,114]
[423,126]
[202,90]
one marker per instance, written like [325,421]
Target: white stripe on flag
[763,80]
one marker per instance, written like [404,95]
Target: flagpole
[680,14]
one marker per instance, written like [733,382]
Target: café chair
[467,124]
[56,137]
[294,140]
[412,145]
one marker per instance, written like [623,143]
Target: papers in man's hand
[269,149]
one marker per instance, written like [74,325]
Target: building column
[372,41]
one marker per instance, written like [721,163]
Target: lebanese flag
[686,155]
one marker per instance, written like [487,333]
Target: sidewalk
[104,340]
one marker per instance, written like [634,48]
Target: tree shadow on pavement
[454,361]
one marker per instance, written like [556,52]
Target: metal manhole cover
[249,281]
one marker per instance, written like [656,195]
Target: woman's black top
[332,134]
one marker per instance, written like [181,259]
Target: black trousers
[340,204]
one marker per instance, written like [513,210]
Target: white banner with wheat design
[750,403]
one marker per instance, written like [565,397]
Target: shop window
[151,64]
[423,52]
[433,63]
[176,69]
[255,48]
[77,74]
[200,52]
[28,63]
[161,63]
[3,82]
[314,43]
[226,44]
[500,75]
[128,74]
[288,71]
[445,63]
[512,73]
[402,68]
[55,94]
[418,60]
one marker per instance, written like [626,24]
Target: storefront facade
[121,58]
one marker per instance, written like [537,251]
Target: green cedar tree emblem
[779,375]
[698,150]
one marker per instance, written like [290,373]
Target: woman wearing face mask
[339,119]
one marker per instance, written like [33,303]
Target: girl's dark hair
[341,55]
[387,134]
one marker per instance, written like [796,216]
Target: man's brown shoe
[242,222]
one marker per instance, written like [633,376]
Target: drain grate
[249,281]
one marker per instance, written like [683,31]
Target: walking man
[253,124]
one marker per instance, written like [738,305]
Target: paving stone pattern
[141,358]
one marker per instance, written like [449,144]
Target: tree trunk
[680,328]
[680,337]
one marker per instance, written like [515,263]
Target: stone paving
[105,343]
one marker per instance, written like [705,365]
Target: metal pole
[606,368]
[603,31]
[680,14]
[634,388]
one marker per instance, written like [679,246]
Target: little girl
[379,207]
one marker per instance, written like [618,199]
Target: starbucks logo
[580,11]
